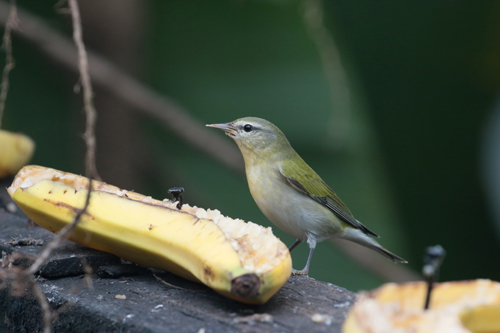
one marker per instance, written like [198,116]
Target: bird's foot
[301,272]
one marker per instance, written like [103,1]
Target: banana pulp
[243,261]
[458,307]
[16,150]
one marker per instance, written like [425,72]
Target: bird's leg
[305,271]
[294,245]
[311,240]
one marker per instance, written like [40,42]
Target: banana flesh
[460,307]
[243,261]
[16,150]
[482,319]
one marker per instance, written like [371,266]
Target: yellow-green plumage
[290,193]
[303,178]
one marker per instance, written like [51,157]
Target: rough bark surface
[128,298]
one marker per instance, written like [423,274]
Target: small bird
[290,194]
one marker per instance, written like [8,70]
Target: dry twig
[27,274]
[12,22]
[61,235]
[44,256]
[19,276]
[120,84]
[88,94]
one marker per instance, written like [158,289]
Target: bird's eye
[247,128]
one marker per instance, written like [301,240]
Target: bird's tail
[357,236]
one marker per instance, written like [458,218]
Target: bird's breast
[291,211]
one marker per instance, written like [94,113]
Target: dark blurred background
[392,103]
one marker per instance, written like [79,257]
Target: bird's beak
[227,127]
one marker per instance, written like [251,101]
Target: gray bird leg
[311,240]
[305,271]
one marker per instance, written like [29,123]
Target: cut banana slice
[243,261]
[16,150]
[455,307]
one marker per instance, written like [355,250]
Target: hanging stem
[88,94]
[12,21]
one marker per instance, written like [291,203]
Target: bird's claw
[301,272]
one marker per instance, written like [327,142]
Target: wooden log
[128,298]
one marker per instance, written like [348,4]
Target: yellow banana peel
[243,261]
[459,307]
[16,150]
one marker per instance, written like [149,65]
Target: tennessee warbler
[290,194]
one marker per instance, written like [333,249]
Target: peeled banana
[458,307]
[16,150]
[243,261]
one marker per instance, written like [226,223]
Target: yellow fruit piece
[16,150]
[243,261]
[482,319]
[458,307]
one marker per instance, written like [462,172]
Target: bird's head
[255,136]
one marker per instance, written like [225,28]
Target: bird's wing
[314,187]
